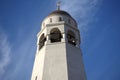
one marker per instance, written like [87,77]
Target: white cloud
[4,52]
[23,53]
[84,12]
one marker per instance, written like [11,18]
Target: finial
[58,5]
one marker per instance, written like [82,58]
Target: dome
[59,16]
[59,12]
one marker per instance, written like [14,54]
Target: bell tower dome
[58,55]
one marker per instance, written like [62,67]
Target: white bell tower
[58,55]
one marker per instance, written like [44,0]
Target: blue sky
[98,22]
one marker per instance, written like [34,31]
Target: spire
[58,5]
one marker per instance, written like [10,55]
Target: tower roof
[55,15]
[59,16]
[59,12]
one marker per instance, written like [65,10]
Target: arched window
[60,19]
[42,41]
[36,78]
[71,37]
[50,19]
[55,35]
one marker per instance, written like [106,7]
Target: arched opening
[36,78]
[55,35]
[71,37]
[42,41]
[51,20]
[60,18]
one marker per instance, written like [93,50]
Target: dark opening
[36,78]
[50,19]
[71,38]
[60,19]
[42,41]
[55,35]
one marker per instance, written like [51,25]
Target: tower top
[58,5]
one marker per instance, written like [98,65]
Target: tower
[58,55]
